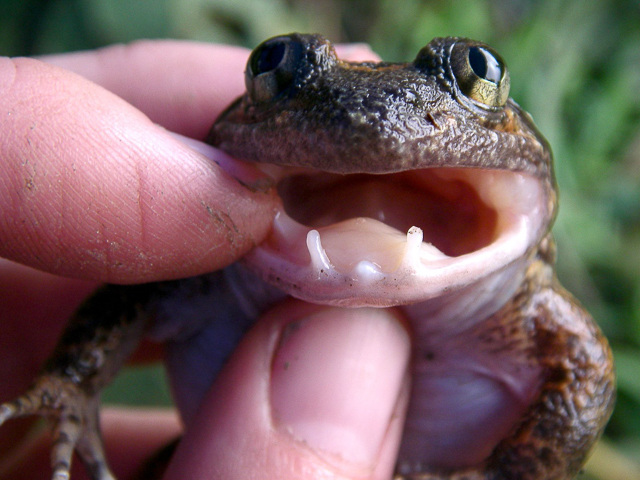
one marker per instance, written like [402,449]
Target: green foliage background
[575,66]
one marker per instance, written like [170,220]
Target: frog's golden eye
[481,73]
[271,67]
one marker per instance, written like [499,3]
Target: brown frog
[417,186]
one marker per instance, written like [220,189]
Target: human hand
[88,184]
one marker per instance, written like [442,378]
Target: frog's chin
[383,240]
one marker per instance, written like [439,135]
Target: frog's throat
[387,240]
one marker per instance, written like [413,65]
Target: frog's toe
[74,421]
[91,450]
[66,432]
[7,411]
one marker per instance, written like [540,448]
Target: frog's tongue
[392,239]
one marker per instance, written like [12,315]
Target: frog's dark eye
[481,74]
[271,67]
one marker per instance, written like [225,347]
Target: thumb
[311,392]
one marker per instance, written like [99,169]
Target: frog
[421,187]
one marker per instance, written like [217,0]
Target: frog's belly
[472,382]
[456,418]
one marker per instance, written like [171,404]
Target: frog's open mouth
[397,238]
[450,245]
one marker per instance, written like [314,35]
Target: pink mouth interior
[396,238]
[449,211]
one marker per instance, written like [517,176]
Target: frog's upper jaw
[383,240]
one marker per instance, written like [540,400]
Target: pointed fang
[319,258]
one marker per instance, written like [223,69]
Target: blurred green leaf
[628,369]
[139,386]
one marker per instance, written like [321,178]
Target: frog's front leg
[578,391]
[97,340]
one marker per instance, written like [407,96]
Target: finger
[34,306]
[91,188]
[180,85]
[311,392]
[131,437]
[356,52]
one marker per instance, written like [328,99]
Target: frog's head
[399,181]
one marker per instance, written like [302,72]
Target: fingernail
[336,379]
[247,174]
[356,52]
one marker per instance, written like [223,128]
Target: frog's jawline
[356,240]
[385,240]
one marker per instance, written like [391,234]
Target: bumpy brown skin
[575,401]
[385,117]
[314,110]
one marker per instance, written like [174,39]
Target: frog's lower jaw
[449,247]
[373,240]
[461,253]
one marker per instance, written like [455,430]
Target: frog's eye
[481,74]
[271,67]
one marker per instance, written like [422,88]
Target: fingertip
[181,85]
[328,367]
[87,178]
[132,436]
[357,52]
[256,423]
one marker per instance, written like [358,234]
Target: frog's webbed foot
[74,420]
